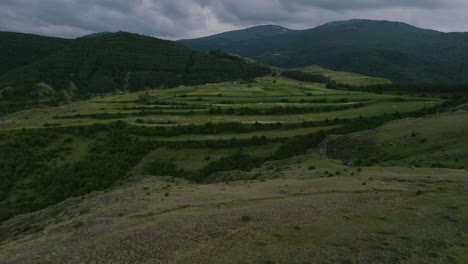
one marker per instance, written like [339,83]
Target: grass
[282,220]
[345,77]
[311,203]
[266,92]
[438,141]
[195,159]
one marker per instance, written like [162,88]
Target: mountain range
[393,50]
[32,66]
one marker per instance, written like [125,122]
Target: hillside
[392,50]
[123,61]
[346,78]
[247,42]
[19,49]
[192,132]
[305,209]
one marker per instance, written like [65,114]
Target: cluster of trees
[167,107]
[281,110]
[121,115]
[143,121]
[277,110]
[237,161]
[400,87]
[217,128]
[26,156]
[305,76]
[150,100]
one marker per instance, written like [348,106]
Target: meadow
[189,132]
[274,169]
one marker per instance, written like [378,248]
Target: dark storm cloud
[193,18]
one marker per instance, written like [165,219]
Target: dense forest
[392,50]
[122,61]
[19,49]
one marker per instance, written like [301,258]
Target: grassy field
[257,172]
[438,141]
[176,104]
[290,215]
[185,106]
[345,77]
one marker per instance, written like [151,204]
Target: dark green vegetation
[396,51]
[247,42]
[121,61]
[19,49]
[306,77]
[406,88]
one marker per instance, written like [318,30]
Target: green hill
[393,50]
[305,209]
[248,42]
[345,78]
[19,49]
[125,61]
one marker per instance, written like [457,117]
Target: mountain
[19,49]
[248,42]
[393,50]
[124,61]
[96,35]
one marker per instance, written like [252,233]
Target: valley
[348,146]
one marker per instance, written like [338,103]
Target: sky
[180,19]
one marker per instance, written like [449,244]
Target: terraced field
[188,132]
[266,100]
[274,170]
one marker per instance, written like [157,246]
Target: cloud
[175,19]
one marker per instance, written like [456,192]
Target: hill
[19,49]
[305,209]
[52,153]
[392,50]
[124,61]
[247,43]
[342,78]
[96,35]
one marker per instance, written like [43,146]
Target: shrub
[159,168]
[419,192]
[246,218]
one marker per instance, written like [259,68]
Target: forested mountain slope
[121,61]
[393,50]
[18,49]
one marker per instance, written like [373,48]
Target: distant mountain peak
[95,35]
[273,27]
[380,24]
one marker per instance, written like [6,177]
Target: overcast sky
[177,19]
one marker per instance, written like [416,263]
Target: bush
[159,168]
[246,218]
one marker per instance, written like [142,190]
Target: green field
[264,150]
[344,77]
[264,93]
